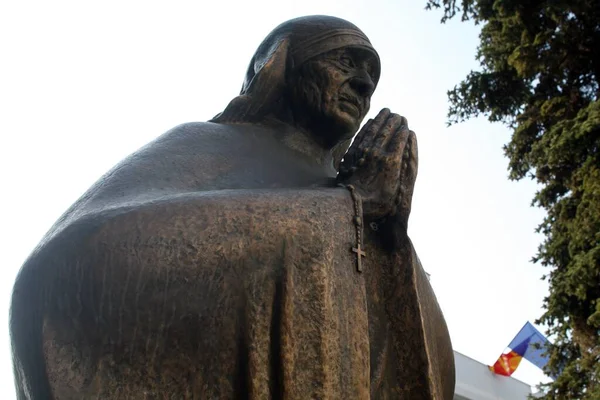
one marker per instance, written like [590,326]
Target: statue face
[334,92]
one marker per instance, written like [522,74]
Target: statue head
[316,72]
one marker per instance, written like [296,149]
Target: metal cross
[359,254]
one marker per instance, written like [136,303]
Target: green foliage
[540,73]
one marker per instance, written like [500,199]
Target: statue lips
[355,104]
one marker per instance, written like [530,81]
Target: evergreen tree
[539,74]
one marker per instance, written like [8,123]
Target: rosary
[358,223]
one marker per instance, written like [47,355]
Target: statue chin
[349,116]
[336,126]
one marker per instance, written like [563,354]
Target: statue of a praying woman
[260,255]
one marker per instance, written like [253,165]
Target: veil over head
[284,50]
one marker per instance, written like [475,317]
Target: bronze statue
[230,260]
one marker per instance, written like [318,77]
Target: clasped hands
[382,165]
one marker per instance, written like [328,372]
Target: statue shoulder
[189,157]
[204,131]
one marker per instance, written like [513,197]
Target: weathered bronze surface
[220,260]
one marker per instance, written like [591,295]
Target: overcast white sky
[83,84]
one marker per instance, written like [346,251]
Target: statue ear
[263,89]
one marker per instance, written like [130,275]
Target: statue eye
[346,61]
[370,70]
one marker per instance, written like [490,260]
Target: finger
[408,176]
[381,118]
[397,141]
[356,151]
[390,161]
[375,127]
[363,145]
[360,136]
[386,132]
[362,141]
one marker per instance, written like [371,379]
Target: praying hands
[382,165]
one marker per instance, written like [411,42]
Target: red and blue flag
[529,344]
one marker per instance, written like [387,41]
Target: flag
[533,354]
[507,363]
[529,344]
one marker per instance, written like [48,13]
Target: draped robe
[201,268]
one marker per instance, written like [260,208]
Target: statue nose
[363,84]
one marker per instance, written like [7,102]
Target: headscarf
[284,50]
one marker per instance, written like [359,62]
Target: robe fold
[164,285]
